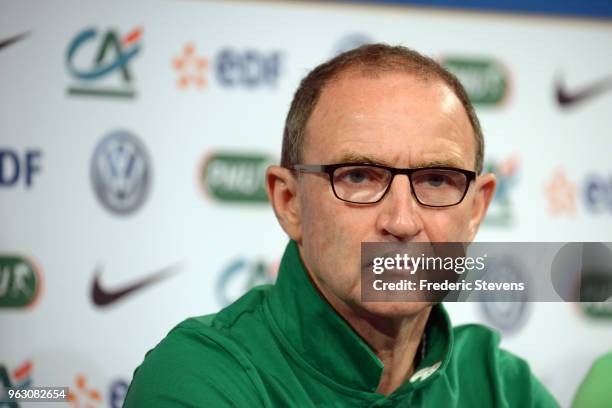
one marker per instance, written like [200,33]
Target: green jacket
[282,345]
[595,392]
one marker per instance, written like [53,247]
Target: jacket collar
[318,339]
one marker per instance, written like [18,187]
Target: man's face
[396,120]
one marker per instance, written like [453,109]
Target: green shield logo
[485,80]
[597,310]
[236,177]
[19,282]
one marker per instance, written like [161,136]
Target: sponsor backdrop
[134,137]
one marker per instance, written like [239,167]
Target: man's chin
[396,309]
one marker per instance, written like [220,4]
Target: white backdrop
[243,61]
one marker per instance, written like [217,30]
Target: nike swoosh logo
[566,98]
[103,297]
[11,40]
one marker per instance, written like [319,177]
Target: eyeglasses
[368,183]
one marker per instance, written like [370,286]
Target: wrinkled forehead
[395,118]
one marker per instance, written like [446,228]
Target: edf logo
[249,68]
[17,167]
[232,68]
[598,193]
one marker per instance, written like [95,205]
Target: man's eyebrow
[354,157]
[441,163]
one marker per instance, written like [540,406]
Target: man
[310,340]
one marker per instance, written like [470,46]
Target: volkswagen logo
[508,311]
[121,172]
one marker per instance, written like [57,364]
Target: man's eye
[360,176]
[356,176]
[436,180]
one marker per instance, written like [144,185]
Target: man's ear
[484,191]
[281,186]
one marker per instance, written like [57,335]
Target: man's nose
[399,216]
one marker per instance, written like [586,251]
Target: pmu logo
[248,68]
[501,212]
[121,172]
[486,81]
[563,194]
[19,167]
[240,276]
[99,62]
[20,282]
[236,177]
[20,378]
[596,310]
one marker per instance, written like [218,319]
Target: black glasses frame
[329,169]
